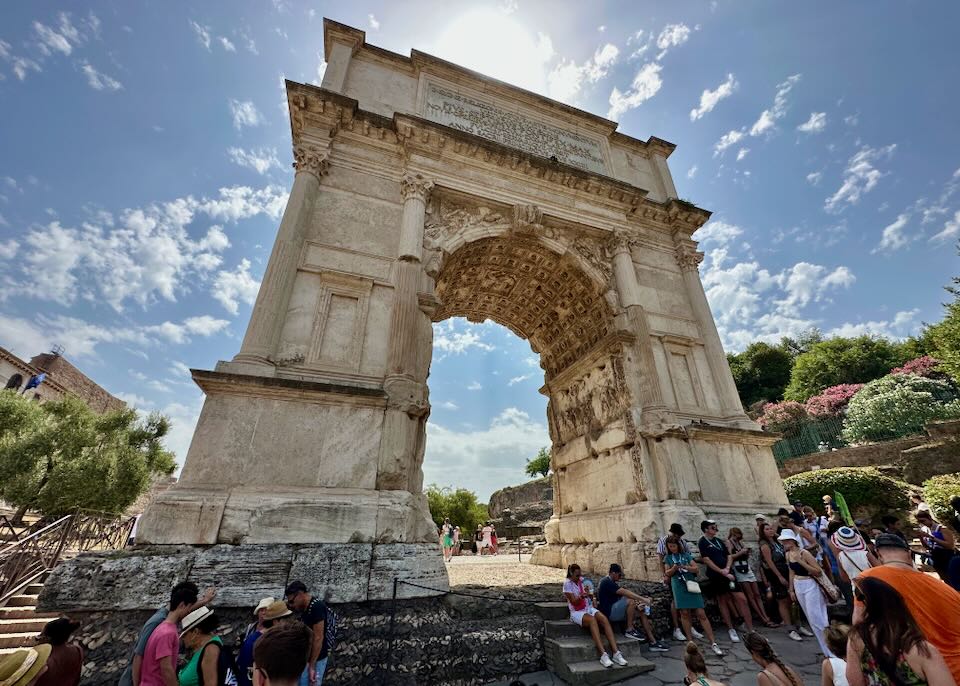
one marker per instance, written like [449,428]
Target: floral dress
[876,677]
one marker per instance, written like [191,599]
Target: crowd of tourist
[904,622]
[484,541]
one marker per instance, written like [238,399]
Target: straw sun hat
[846,538]
[22,666]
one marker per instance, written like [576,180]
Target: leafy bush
[898,405]
[926,366]
[785,417]
[862,487]
[839,361]
[459,505]
[539,465]
[937,493]
[833,401]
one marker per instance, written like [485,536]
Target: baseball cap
[705,523]
[891,541]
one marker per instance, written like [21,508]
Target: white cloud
[645,85]
[374,24]
[692,171]
[51,41]
[27,337]
[672,36]
[726,140]
[566,79]
[203,34]
[893,237]
[8,249]
[769,117]
[518,379]
[852,120]
[804,283]
[741,153]
[178,368]
[815,124]
[718,232]
[98,80]
[859,177]
[448,339]
[244,114]
[449,405]
[813,178]
[950,230]
[227,45]
[22,66]
[474,386]
[250,43]
[204,325]
[261,160]
[902,325]
[232,288]
[485,459]
[710,98]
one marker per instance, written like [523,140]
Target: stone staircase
[572,657]
[19,620]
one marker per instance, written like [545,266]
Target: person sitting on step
[620,604]
[590,618]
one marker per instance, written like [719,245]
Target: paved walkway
[735,668]
[500,570]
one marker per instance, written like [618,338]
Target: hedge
[860,486]
[937,492]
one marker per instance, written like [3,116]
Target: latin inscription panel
[445,106]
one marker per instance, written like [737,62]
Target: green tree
[539,464]
[945,336]
[842,360]
[460,506]
[898,405]
[802,342]
[761,372]
[60,455]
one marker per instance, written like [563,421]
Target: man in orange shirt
[934,605]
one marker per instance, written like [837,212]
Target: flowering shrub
[833,401]
[926,366]
[898,405]
[937,493]
[783,417]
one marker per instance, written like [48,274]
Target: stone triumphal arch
[424,191]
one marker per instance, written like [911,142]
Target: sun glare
[495,44]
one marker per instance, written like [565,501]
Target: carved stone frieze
[591,402]
[311,159]
[415,186]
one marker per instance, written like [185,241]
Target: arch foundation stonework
[424,191]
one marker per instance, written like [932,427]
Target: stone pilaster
[629,293]
[689,260]
[266,322]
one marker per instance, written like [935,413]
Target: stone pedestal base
[141,578]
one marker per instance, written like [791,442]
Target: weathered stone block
[243,574]
[343,569]
[420,563]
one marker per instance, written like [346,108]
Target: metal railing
[27,559]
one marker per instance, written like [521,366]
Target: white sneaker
[678,635]
[733,636]
[806,632]
[795,636]
[619,659]
[696,634]
[606,661]
[716,650]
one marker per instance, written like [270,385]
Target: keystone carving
[415,186]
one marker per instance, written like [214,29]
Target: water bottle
[646,610]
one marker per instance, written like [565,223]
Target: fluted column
[266,321]
[629,293]
[689,259]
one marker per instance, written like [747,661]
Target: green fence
[817,435]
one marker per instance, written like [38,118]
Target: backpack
[226,667]
[330,630]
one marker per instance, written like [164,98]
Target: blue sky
[146,159]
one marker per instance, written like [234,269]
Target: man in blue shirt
[619,604]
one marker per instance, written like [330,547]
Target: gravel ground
[500,570]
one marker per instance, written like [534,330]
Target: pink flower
[832,401]
[925,366]
[782,416]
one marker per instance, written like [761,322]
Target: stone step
[25,612]
[554,628]
[13,626]
[592,673]
[17,640]
[553,611]
[23,601]
[33,589]
[571,649]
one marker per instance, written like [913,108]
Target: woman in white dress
[583,614]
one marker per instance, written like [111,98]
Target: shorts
[618,611]
[778,590]
[576,616]
[745,577]
[720,586]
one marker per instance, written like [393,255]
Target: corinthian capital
[415,186]
[310,159]
[688,257]
[618,242]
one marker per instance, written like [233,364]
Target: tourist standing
[210,662]
[803,587]
[446,539]
[494,541]
[487,542]
[917,501]
[776,572]
[891,525]
[934,606]
[280,656]
[697,667]
[676,529]
[833,670]
[953,570]
[590,618]
[66,658]
[939,542]
[817,526]
[886,646]
[621,604]
[159,664]
[830,508]
[774,671]
[681,569]
[744,575]
[183,594]
[796,514]
[258,615]
[456,540]
[478,539]
[723,585]
[852,554]
[313,613]
[245,655]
